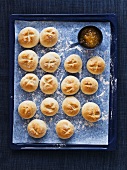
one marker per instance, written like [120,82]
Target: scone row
[28,61]
[29,37]
[37,129]
[70,106]
[49,84]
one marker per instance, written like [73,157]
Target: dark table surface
[53,160]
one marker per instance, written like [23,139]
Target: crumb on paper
[37,116]
[90,124]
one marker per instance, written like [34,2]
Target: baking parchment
[85,132]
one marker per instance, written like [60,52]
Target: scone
[37,128]
[49,106]
[50,62]
[73,63]
[49,37]
[71,106]
[29,82]
[27,109]
[96,65]
[28,60]
[28,37]
[91,112]
[48,84]
[64,129]
[70,85]
[89,85]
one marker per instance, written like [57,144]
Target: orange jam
[90,37]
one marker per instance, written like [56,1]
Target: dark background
[58,160]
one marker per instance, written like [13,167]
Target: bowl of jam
[90,37]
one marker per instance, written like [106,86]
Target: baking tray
[112,98]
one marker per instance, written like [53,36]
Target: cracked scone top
[89,85]
[28,37]
[64,129]
[49,37]
[70,85]
[73,63]
[91,112]
[28,60]
[71,106]
[50,62]
[29,82]
[48,84]
[95,65]
[27,109]
[49,106]
[37,128]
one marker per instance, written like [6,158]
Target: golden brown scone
[49,37]
[49,106]
[70,85]
[71,106]
[37,128]
[28,37]
[89,85]
[91,112]
[28,60]
[48,84]
[73,63]
[29,82]
[96,65]
[27,109]
[50,62]
[64,129]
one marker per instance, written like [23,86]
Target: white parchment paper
[85,132]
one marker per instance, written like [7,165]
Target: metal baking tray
[88,136]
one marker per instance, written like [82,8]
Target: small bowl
[90,37]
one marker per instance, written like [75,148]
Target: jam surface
[90,37]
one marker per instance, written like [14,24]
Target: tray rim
[112,18]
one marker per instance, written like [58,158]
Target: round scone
[71,106]
[48,84]
[28,60]
[50,62]
[96,65]
[91,112]
[37,128]
[49,37]
[89,85]
[73,63]
[64,129]
[49,106]
[28,37]
[27,109]
[70,85]
[29,82]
